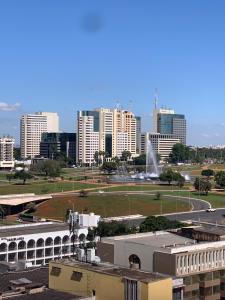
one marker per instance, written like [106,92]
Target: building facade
[200,265]
[107,130]
[6,152]
[166,121]
[108,282]
[38,243]
[32,126]
[56,143]
[162,144]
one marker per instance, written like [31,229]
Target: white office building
[32,126]
[161,143]
[38,243]
[6,152]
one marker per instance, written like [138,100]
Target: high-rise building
[109,130]
[52,121]
[138,135]
[55,143]
[166,121]
[6,152]
[32,126]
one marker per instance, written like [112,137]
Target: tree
[83,193]
[111,229]
[31,207]
[179,153]
[202,185]
[157,196]
[140,160]
[9,176]
[220,179]
[180,180]
[169,175]
[49,168]
[153,223]
[109,166]
[126,155]
[207,172]
[23,175]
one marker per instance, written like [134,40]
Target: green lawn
[216,200]
[110,205]
[44,187]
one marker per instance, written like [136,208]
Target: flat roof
[161,239]
[32,274]
[165,240]
[211,229]
[113,270]
[14,200]
[25,229]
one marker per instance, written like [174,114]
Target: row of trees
[181,153]
[100,157]
[151,223]
[49,168]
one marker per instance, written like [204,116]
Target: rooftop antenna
[156,98]
[118,105]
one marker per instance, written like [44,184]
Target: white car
[210,209]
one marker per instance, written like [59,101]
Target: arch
[74,238]
[49,241]
[12,246]
[40,242]
[31,244]
[3,247]
[65,239]
[135,262]
[22,245]
[82,237]
[57,240]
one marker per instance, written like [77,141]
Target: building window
[55,271]
[76,276]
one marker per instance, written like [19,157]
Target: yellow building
[108,282]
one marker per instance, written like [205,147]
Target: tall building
[32,126]
[52,121]
[166,121]
[138,135]
[55,143]
[6,152]
[109,130]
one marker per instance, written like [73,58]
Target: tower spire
[155,98]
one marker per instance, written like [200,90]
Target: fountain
[151,162]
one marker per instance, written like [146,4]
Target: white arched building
[38,243]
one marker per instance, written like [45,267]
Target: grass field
[44,187]
[109,205]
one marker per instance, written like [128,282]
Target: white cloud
[9,107]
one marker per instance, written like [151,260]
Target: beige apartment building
[109,130]
[32,126]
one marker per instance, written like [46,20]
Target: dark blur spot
[91,23]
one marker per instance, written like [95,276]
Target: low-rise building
[38,243]
[108,282]
[200,265]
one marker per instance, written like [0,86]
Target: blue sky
[65,55]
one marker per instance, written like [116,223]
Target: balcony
[209,283]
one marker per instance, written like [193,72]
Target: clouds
[9,107]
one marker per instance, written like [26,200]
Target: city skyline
[84,55]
